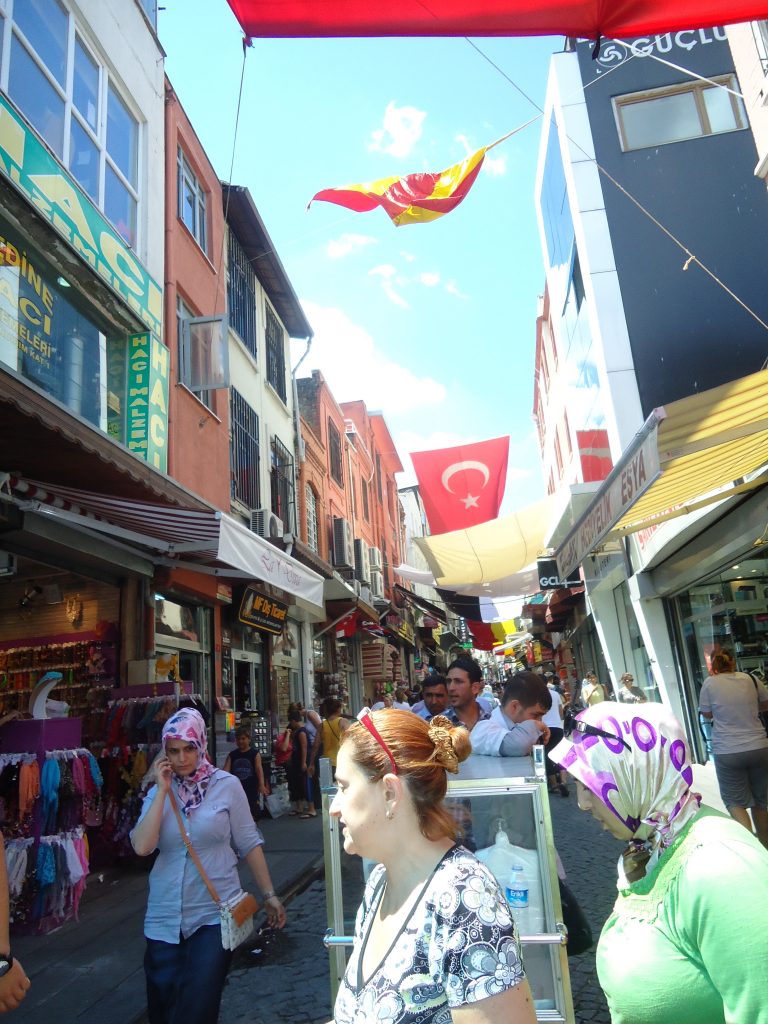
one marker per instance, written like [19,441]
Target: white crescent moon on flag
[457,467]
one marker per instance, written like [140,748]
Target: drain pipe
[298,443]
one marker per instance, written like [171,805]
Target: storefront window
[636,660]
[186,630]
[727,611]
[52,344]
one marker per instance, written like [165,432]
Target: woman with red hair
[434,937]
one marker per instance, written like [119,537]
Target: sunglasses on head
[572,724]
[364,718]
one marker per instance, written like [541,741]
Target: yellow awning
[492,550]
[690,453]
[706,443]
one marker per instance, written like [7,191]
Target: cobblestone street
[289,981]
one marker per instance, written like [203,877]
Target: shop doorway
[250,692]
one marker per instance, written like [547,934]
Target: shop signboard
[262,612]
[147,402]
[638,469]
[39,177]
[549,578]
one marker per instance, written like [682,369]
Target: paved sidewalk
[91,970]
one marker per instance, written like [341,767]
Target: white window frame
[185,172]
[696,88]
[310,504]
[8,28]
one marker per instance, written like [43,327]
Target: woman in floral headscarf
[185,963]
[687,939]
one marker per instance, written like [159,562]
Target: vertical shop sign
[39,177]
[147,405]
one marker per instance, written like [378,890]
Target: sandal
[305,816]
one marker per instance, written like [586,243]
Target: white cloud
[407,256]
[429,278]
[355,368]
[337,248]
[400,131]
[453,289]
[390,281]
[495,166]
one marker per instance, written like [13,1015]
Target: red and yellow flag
[414,199]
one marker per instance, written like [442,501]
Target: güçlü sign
[262,612]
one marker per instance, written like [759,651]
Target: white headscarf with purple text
[648,786]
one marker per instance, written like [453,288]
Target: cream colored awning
[492,551]
[690,453]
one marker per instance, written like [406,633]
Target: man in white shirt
[434,692]
[517,725]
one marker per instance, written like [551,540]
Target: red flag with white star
[462,486]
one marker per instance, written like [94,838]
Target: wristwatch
[6,963]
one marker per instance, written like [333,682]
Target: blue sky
[432,324]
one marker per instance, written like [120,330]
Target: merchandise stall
[502,815]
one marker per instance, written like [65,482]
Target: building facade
[638,316]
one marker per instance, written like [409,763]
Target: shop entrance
[250,694]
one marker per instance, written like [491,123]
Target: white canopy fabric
[487,554]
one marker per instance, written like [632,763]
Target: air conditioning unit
[267,524]
[362,562]
[343,548]
[365,594]
[357,585]
[377,585]
[374,555]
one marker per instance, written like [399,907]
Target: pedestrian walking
[673,950]
[554,722]
[245,764]
[297,767]
[628,692]
[185,963]
[332,728]
[732,701]
[434,937]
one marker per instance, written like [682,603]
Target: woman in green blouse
[687,940]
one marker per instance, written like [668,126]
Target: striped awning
[208,539]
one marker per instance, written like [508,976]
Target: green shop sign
[146,418]
[36,173]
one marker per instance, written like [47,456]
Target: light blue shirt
[221,830]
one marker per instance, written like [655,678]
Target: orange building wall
[198,453]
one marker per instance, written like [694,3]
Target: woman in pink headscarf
[185,963]
[687,939]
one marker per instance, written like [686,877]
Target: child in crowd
[245,763]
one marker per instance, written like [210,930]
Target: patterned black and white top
[457,946]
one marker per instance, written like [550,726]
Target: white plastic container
[502,859]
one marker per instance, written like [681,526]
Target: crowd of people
[435,939]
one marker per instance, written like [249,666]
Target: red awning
[623,18]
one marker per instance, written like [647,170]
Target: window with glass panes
[191,200]
[241,293]
[69,97]
[244,451]
[334,453]
[364,490]
[310,502]
[658,117]
[281,482]
[275,353]
[187,358]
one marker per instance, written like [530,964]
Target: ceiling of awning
[492,551]
[584,18]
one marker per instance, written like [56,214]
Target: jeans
[185,979]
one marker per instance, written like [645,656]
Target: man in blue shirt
[434,693]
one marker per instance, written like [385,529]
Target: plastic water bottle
[517,894]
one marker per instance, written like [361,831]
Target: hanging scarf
[647,787]
[187,726]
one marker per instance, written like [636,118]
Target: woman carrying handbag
[186,962]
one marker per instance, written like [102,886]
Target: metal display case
[502,813]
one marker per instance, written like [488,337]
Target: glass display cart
[502,812]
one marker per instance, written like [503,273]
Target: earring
[389,815]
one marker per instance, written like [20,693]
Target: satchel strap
[191,850]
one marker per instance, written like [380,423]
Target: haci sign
[146,426]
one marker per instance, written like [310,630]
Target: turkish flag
[462,486]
